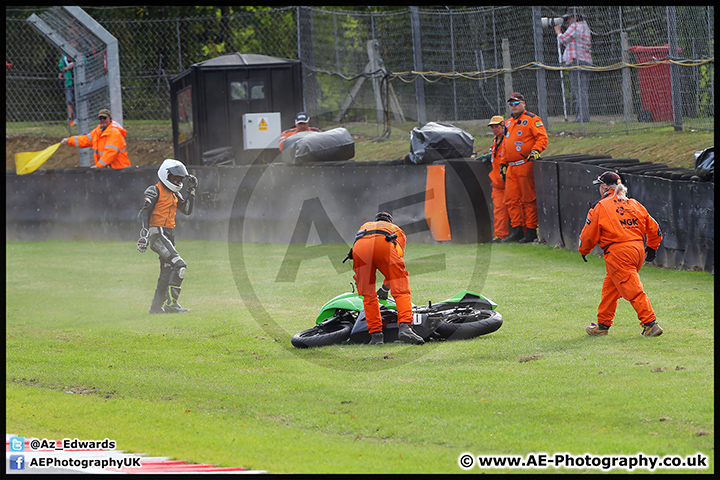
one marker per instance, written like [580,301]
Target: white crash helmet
[172,167]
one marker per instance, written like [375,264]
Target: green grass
[223,385]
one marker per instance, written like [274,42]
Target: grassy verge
[658,145]
[662,145]
[223,385]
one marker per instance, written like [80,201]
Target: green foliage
[220,385]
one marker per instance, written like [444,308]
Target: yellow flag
[28,162]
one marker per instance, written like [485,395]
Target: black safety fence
[326,203]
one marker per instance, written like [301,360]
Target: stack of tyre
[703,171]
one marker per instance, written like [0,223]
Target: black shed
[209,101]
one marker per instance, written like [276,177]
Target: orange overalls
[377,251]
[620,226]
[523,134]
[500,211]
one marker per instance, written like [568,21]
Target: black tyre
[469,323]
[330,332]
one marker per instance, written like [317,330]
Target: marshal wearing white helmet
[157,223]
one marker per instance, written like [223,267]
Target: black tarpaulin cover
[439,141]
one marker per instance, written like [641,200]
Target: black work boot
[516,233]
[171,305]
[407,335]
[529,237]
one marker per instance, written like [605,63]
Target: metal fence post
[417,65]
[540,58]
[674,73]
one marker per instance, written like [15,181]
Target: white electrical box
[261,130]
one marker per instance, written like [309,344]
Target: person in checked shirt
[576,41]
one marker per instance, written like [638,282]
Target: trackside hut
[209,100]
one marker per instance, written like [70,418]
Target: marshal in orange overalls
[374,252]
[500,211]
[620,226]
[523,135]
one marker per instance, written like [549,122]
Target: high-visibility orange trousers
[622,263]
[372,253]
[500,213]
[520,196]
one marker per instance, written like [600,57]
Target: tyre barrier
[680,200]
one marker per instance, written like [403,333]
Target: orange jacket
[109,147]
[498,157]
[616,219]
[523,135]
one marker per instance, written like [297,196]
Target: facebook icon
[17,462]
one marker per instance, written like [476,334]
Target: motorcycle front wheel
[329,332]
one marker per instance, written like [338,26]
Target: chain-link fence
[652,66]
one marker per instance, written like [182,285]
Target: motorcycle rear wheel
[329,332]
[469,324]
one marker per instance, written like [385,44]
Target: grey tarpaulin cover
[438,141]
[331,146]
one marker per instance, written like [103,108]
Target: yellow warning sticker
[263,124]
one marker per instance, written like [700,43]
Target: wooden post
[628,109]
[507,66]
[372,49]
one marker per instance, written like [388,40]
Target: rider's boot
[171,305]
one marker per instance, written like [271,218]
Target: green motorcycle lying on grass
[342,320]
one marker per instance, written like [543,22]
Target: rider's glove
[649,254]
[142,243]
[584,258]
[534,155]
[382,292]
[192,182]
[503,170]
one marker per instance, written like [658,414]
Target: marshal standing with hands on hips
[525,139]
[620,225]
[157,221]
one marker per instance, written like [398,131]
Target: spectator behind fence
[107,141]
[66,73]
[576,40]
[302,124]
